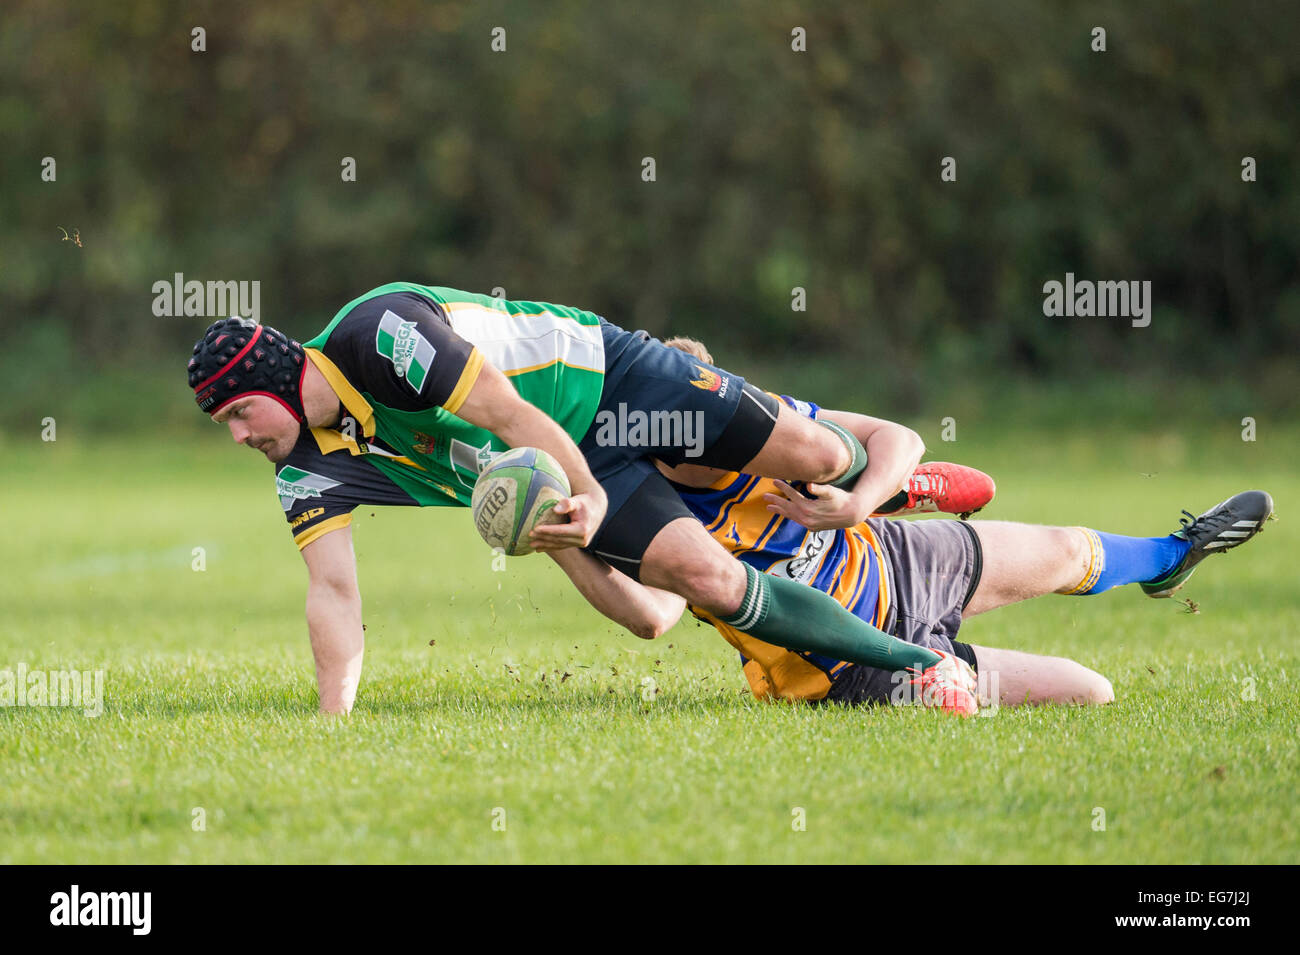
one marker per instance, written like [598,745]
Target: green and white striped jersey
[403,357]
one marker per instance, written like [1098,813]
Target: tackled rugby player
[410,389]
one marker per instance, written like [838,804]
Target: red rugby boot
[940,487]
[948,685]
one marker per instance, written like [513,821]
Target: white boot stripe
[1245,524]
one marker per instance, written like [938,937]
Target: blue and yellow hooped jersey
[847,564]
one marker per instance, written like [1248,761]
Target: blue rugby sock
[1118,560]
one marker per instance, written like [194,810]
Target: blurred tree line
[774,169]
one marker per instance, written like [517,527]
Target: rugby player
[411,389]
[917,581]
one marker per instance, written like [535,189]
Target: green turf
[488,689]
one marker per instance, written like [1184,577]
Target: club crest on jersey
[293,483]
[424,443]
[408,350]
[710,381]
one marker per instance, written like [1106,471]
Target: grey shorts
[932,569]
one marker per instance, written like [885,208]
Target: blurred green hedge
[775,169]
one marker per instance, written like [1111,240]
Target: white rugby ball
[515,493]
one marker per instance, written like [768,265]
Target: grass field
[488,691]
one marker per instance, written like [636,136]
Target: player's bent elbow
[654,625]
[649,628]
[645,629]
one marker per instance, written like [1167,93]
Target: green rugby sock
[798,617]
[895,503]
[857,455]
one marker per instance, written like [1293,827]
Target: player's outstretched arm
[494,405]
[893,452]
[646,611]
[334,619]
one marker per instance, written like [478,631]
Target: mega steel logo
[470,458]
[294,483]
[410,352]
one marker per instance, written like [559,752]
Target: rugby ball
[516,492]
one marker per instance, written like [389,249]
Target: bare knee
[1099,690]
[715,583]
[1075,555]
[717,587]
[685,560]
[1088,686]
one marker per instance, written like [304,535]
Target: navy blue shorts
[658,402]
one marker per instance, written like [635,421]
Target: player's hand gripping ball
[515,493]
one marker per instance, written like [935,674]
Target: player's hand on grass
[828,508]
[585,513]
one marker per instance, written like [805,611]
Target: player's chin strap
[857,455]
[238,357]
